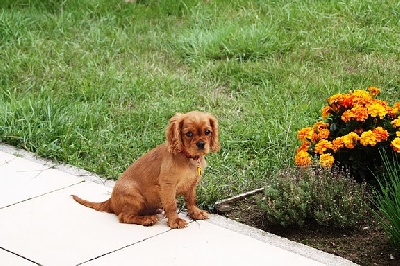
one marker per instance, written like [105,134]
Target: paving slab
[21,179]
[40,224]
[203,243]
[55,230]
[5,157]
[8,258]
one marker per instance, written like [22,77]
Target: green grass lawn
[93,83]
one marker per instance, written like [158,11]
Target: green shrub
[338,200]
[287,198]
[329,198]
[387,201]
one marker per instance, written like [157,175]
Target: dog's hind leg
[134,210]
[131,218]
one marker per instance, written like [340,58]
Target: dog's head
[194,132]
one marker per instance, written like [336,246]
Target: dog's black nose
[200,144]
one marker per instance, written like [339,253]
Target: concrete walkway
[41,225]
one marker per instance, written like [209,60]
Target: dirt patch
[365,245]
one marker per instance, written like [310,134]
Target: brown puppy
[171,169]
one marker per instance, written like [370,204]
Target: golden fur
[155,179]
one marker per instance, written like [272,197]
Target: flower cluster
[357,125]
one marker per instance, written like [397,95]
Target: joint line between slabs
[41,195]
[18,255]
[121,248]
[127,246]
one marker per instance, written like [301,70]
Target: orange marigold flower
[326,111]
[374,91]
[305,133]
[391,112]
[322,146]
[396,144]
[347,115]
[334,98]
[326,160]
[347,102]
[339,101]
[323,133]
[381,134]
[320,125]
[302,158]
[396,106]
[304,147]
[314,137]
[368,138]
[360,113]
[337,144]
[350,140]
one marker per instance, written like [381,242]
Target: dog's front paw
[198,214]
[177,223]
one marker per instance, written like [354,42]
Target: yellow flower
[350,140]
[396,144]
[376,110]
[396,122]
[374,91]
[362,93]
[326,160]
[302,158]
[398,133]
[322,146]
[368,138]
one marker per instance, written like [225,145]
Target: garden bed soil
[365,245]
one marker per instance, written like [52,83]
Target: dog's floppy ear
[214,139]
[173,133]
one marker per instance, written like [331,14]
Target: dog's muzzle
[200,144]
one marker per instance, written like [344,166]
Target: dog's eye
[207,132]
[189,134]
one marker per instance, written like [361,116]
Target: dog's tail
[98,206]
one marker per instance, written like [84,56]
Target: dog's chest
[192,175]
[197,168]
